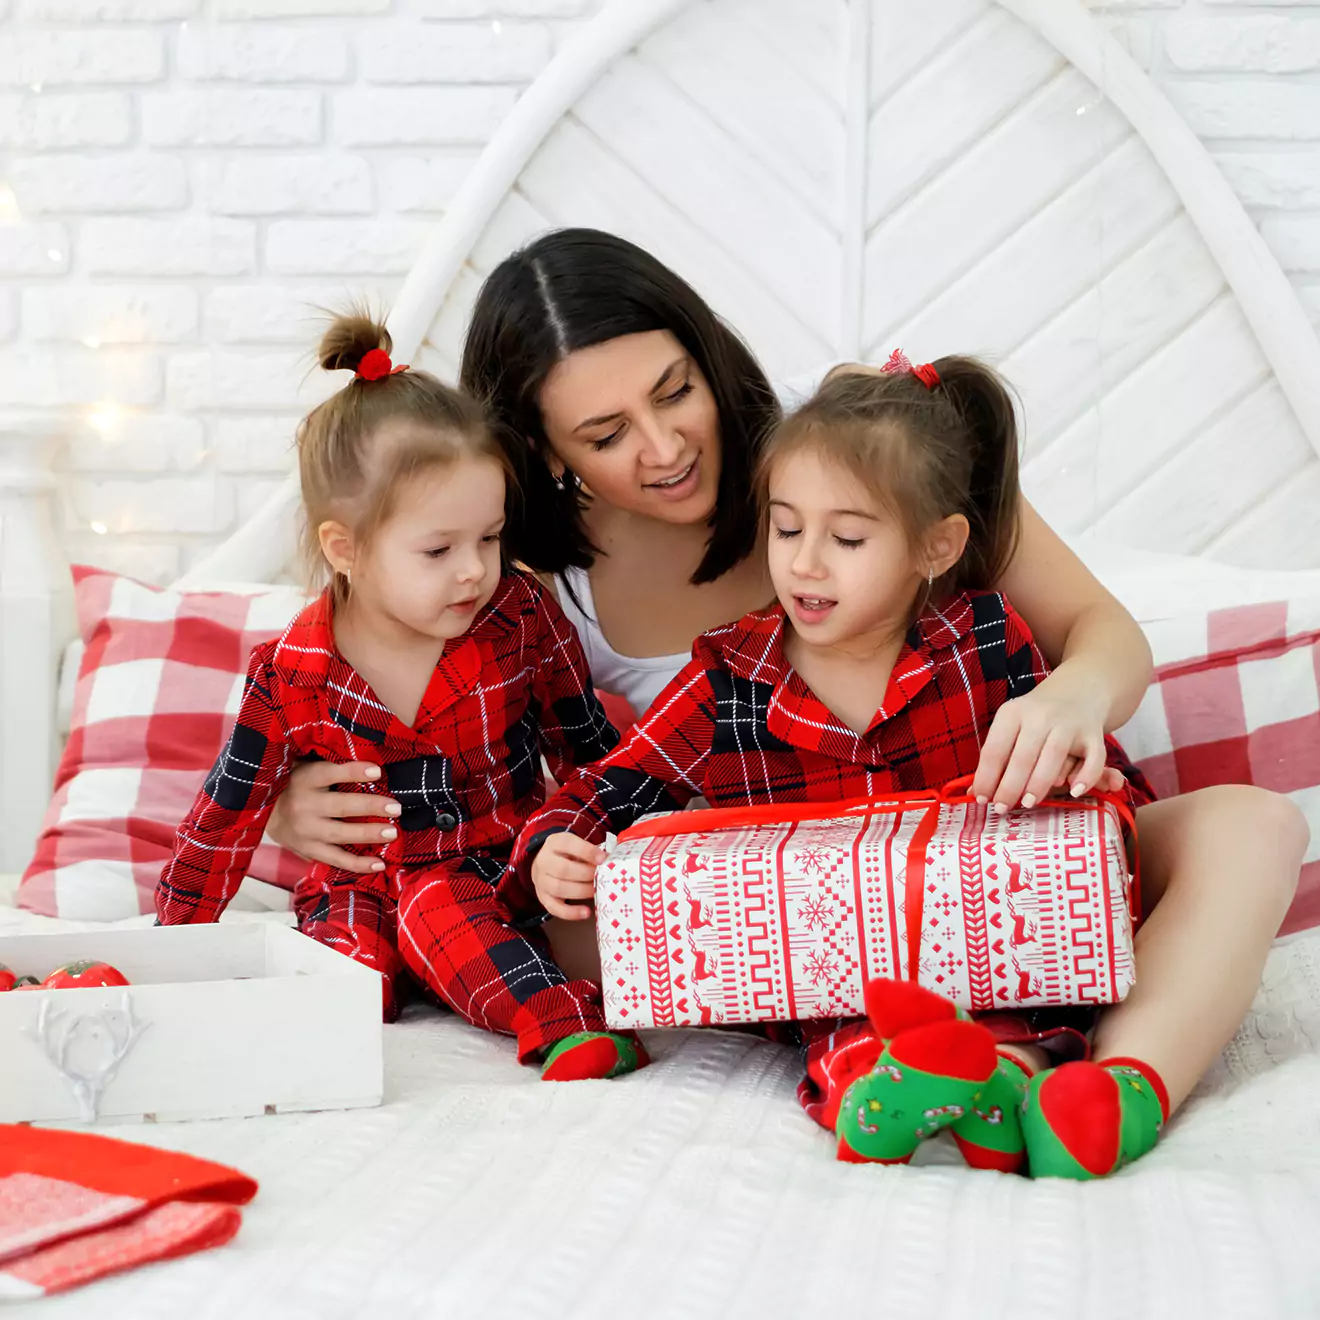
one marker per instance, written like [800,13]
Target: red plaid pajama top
[467,774]
[739,726]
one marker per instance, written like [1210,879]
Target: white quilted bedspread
[698,1189]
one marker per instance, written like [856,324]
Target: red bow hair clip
[898,364]
[376,365]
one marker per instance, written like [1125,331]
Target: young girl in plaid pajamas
[449,674]
[892,505]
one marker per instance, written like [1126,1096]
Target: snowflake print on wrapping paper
[820,967]
[816,911]
[814,859]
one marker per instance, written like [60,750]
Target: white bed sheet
[698,1188]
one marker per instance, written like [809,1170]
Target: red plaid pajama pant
[446,926]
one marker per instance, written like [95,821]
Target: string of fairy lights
[106,418]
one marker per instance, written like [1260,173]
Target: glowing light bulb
[106,418]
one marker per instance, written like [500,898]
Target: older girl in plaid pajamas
[892,504]
[447,673]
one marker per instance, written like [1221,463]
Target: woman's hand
[1052,736]
[564,876]
[316,822]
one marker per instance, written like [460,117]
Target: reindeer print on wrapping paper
[1023,904]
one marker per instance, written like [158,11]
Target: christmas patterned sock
[594,1055]
[897,1006]
[933,1066]
[989,1134]
[1085,1120]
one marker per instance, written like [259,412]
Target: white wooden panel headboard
[987,176]
[840,177]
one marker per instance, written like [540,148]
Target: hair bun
[349,339]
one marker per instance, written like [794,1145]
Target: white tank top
[637,679]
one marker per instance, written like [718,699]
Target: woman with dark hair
[635,417]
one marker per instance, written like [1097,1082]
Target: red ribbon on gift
[953,793]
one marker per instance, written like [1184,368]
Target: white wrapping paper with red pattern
[775,914]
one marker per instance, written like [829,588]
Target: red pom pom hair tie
[898,364]
[376,365]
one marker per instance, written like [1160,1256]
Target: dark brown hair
[569,290]
[923,453]
[344,474]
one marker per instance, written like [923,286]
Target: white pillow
[1159,586]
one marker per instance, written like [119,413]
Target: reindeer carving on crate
[87,1048]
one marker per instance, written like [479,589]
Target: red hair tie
[376,365]
[898,364]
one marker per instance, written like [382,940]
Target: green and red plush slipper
[933,1067]
[1086,1120]
[593,1055]
[989,1134]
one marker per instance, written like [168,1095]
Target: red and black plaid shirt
[739,726]
[467,774]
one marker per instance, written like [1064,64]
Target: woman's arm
[1102,667]
[1075,620]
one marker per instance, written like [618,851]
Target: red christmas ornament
[80,975]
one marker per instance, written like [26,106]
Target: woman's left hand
[1050,737]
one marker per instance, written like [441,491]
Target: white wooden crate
[218,1021]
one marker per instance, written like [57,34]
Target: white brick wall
[184,183]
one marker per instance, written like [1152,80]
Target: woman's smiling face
[635,421]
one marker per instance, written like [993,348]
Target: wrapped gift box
[779,913]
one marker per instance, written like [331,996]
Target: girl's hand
[1043,740]
[316,822]
[564,876]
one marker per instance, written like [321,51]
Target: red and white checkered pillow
[1236,700]
[157,691]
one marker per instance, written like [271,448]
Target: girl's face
[435,562]
[635,420]
[841,564]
